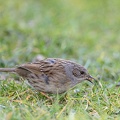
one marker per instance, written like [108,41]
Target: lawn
[84,31]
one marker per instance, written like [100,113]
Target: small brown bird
[52,75]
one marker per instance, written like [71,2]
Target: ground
[84,31]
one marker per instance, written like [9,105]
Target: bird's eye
[82,72]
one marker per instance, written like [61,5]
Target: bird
[52,75]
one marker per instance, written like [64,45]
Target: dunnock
[52,75]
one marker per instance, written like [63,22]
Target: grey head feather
[69,69]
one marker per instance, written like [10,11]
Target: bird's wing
[37,67]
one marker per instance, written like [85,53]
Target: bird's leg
[44,94]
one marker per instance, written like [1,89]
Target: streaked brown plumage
[52,75]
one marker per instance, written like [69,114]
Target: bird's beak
[90,78]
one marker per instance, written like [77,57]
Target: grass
[83,31]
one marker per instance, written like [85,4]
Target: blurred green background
[81,30]
[85,31]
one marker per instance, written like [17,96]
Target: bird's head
[82,74]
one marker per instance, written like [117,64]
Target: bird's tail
[7,69]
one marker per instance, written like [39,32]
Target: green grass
[80,30]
